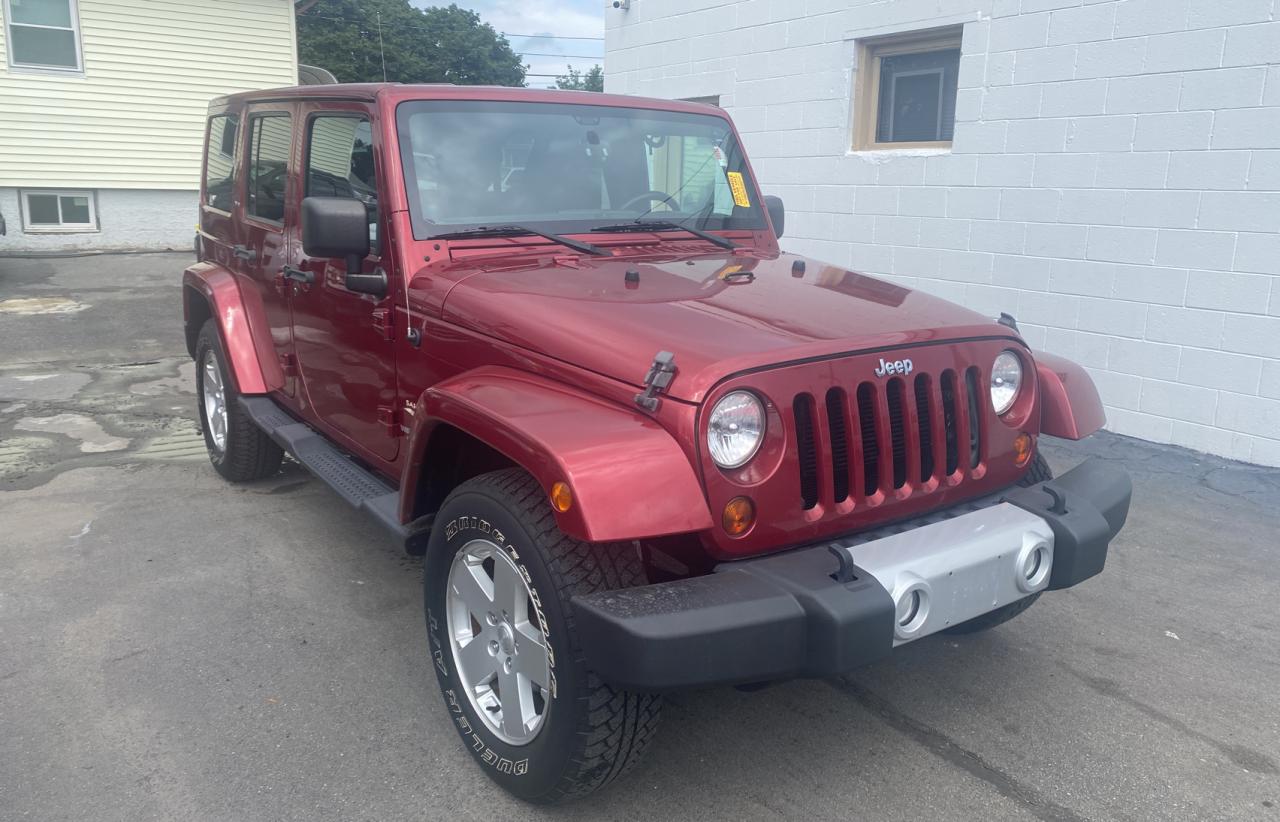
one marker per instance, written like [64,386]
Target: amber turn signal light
[739,514]
[561,497]
[1022,450]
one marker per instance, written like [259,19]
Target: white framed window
[43,35]
[45,210]
[905,95]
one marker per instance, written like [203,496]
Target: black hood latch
[660,375]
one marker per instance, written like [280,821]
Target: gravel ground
[173,647]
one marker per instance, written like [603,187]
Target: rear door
[261,249]
[343,338]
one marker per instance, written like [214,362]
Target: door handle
[298,275]
[244,253]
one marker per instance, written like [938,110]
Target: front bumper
[828,608]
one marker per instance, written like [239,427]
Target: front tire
[498,588]
[239,450]
[1040,472]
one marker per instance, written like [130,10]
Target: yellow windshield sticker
[739,189]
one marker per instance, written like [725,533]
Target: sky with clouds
[556,24]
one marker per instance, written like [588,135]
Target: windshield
[568,168]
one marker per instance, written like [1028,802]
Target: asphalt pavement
[176,648]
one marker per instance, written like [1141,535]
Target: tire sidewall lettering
[456,531]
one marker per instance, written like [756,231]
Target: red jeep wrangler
[548,339]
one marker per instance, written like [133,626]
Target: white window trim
[90,227]
[36,68]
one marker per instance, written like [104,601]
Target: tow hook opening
[911,608]
[1033,565]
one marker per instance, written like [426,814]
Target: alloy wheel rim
[215,401]
[499,651]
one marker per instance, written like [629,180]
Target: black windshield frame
[748,219]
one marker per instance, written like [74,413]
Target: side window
[219,164]
[269,145]
[44,35]
[693,169]
[905,90]
[340,164]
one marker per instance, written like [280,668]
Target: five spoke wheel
[499,649]
[215,400]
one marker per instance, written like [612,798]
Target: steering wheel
[648,197]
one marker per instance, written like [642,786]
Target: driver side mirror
[777,214]
[336,227]
[339,227]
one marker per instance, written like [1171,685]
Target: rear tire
[239,450]
[581,733]
[1040,472]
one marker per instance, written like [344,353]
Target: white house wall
[1114,180]
[135,119]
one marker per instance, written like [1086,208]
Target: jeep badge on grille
[895,367]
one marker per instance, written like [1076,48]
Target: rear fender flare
[237,312]
[1069,401]
[629,478]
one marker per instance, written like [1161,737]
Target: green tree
[590,80]
[363,41]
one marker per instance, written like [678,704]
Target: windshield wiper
[516,230]
[667,225]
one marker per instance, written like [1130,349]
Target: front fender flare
[1069,401]
[630,480]
[237,312]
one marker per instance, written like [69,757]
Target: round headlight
[1006,379]
[735,429]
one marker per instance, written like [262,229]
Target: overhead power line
[566,56]
[425,28]
[551,36]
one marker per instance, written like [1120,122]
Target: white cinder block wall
[1114,181]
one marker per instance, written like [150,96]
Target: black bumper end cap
[1086,507]
[775,618]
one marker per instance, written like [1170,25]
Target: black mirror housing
[335,227]
[777,214]
[375,283]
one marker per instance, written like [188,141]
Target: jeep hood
[719,315]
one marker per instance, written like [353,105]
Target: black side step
[358,486]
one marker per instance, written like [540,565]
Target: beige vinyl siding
[135,119]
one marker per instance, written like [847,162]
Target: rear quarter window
[219,164]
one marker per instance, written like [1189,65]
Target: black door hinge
[660,375]
[383,322]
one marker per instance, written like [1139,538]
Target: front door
[261,248]
[343,338]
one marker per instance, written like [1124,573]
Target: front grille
[906,431]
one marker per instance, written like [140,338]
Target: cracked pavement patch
[81,427]
[41,305]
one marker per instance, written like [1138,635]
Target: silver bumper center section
[948,572]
